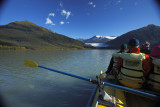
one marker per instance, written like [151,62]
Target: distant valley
[98,41]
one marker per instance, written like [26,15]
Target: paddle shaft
[105,83]
[65,73]
[130,90]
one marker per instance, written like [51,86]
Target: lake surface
[21,86]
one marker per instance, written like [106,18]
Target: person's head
[123,48]
[155,52]
[133,43]
[147,44]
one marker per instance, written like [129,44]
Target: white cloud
[90,3]
[51,14]
[61,5]
[94,5]
[66,13]
[63,12]
[118,2]
[49,21]
[61,22]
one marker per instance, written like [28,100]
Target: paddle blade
[101,75]
[30,63]
[101,72]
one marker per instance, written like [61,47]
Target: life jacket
[132,73]
[154,77]
[115,60]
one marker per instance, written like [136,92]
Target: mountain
[98,39]
[149,33]
[29,35]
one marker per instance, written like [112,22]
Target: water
[21,86]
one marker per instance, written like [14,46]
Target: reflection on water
[27,87]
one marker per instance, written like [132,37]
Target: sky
[83,18]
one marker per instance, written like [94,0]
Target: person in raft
[112,66]
[145,48]
[154,75]
[133,66]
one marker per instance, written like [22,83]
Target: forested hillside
[29,35]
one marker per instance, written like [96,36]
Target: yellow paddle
[30,63]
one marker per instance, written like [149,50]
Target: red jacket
[146,64]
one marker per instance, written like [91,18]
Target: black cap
[133,42]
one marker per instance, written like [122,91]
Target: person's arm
[110,66]
[119,64]
[146,64]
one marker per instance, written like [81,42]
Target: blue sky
[83,18]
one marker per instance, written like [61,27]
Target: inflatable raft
[106,96]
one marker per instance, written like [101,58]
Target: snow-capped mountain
[108,37]
[98,39]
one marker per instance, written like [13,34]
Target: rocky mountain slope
[149,33]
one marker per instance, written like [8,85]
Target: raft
[119,98]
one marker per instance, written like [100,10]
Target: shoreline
[5,47]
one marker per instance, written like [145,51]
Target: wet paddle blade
[30,63]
